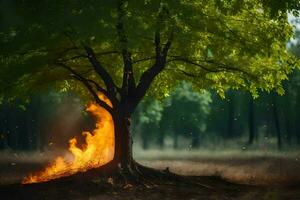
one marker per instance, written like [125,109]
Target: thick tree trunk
[123,142]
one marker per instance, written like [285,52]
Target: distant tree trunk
[145,136]
[163,128]
[12,134]
[231,113]
[288,115]
[2,126]
[21,129]
[196,141]
[276,121]
[175,139]
[251,123]
[161,139]
[30,129]
[298,135]
[288,129]
[296,119]
[33,123]
[145,142]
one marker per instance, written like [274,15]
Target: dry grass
[239,167]
[244,167]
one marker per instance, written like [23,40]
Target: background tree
[186,113]
[147,118]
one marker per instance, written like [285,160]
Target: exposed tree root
[135,175]
[164,176]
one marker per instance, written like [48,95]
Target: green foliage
[183,112]
[217,44]
[277,7]
[187,109]
[150,112]
[146,120]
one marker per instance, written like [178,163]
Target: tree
[147,118]
[125,49]
[185,114]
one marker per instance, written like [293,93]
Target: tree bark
[123,142]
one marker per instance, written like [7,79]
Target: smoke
[65,121]
[14,165]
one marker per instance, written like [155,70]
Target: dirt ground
[222,177]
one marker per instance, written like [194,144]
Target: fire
[98,149]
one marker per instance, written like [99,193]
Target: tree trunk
[175,139]
[251,122]
[145,141]
[231,113]
[161,139]
[276,121]
[123,142]
[288,115]
[288,129]
[161,130]
[295,119]
[145,135]
[196,141]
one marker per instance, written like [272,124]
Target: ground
[212,176]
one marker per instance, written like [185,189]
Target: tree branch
[220,67]
[107,53]
[73,58]
[85,82]
[128,84]
[109,83]
[185,60]
[168,44]
[98,87]
[160,62]
[157,43]
[144,59]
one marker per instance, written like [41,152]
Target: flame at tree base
[98,150]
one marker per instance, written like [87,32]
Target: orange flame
[98,151]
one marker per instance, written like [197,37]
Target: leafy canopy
[216,44]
